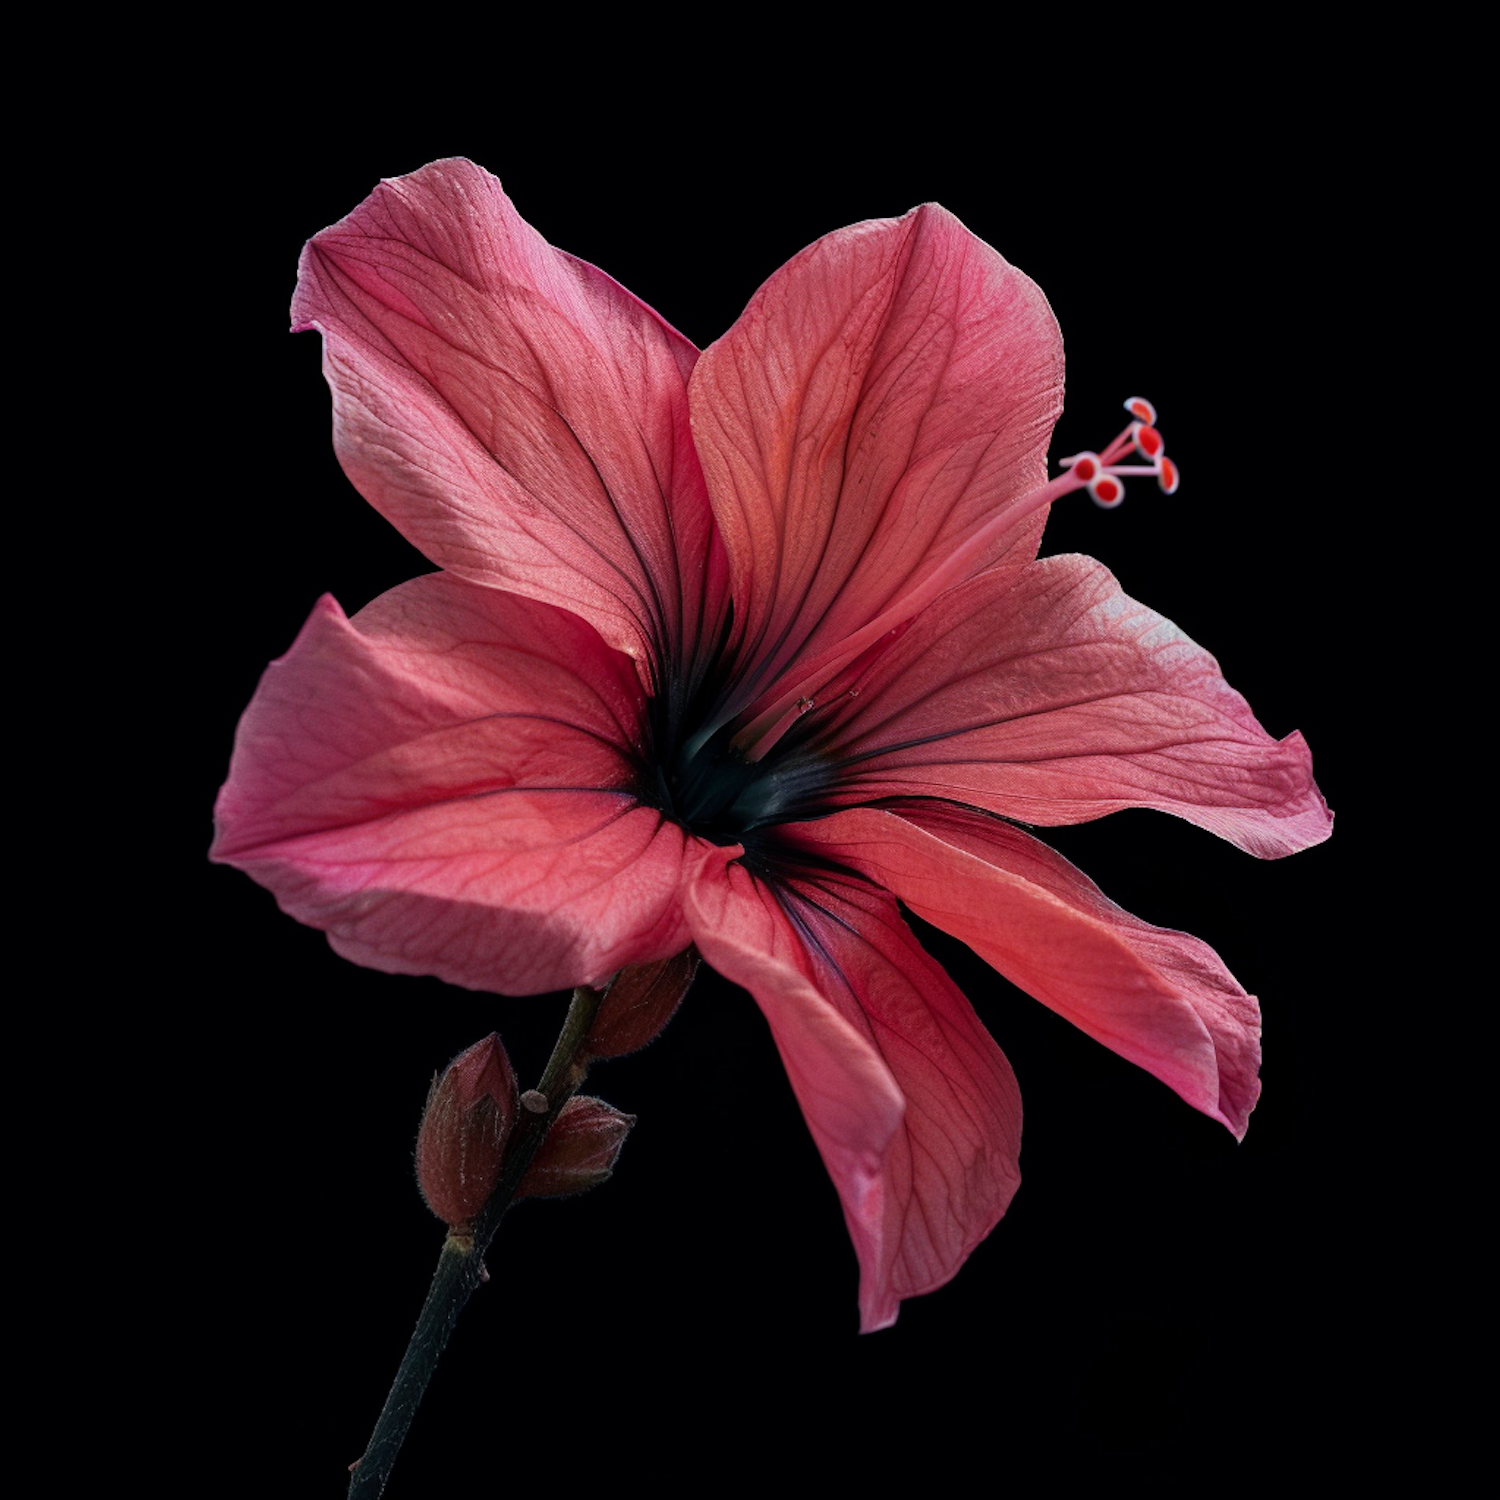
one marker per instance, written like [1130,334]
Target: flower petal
[1054,698]
[913,1107]
[880,398]
[444,786]
[1162,999]
[518,415]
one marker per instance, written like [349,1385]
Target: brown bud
[470,1110]
[638,1004]
[580,1149]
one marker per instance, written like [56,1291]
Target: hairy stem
[460,1267]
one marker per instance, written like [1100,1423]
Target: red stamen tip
[1168,477]
[1106,491]
[1141,409]
[1086,466]
[1148,442]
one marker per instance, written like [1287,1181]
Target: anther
[1148,442]
[1103,473]
[534,1102]
[1106,490]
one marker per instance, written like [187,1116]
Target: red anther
[1141,409]
[1168,477]
[1086,466]
[1148,442]
[1106,491]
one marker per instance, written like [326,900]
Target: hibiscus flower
[735,650]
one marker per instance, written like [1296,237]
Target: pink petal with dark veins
[517,414]
[1052,697]
[880,398]
[444,784]
[912,1105]
[1162,999]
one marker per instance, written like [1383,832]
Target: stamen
[1102,472]
[770,716]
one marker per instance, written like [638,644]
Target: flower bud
[470,1110]
[638,1004]
[580,1149]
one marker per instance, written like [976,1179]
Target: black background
[1157,1293]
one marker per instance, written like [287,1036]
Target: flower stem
[460,1267]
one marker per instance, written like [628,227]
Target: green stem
[461,1265]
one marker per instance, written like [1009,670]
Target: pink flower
[733,650]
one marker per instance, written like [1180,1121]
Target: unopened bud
[580,1149]
[469,1113]
[638,1004]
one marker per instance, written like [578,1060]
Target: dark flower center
[713,791]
